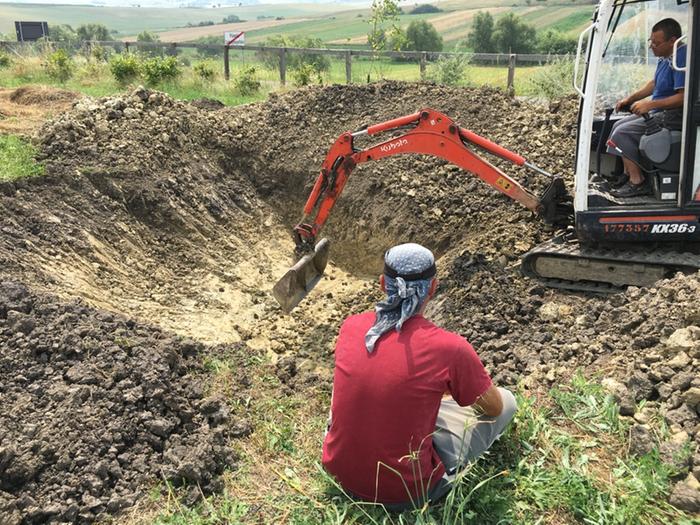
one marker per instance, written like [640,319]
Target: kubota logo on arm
[393,145]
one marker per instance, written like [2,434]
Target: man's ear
[382,284]
[433,287]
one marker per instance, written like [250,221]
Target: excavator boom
[427,132]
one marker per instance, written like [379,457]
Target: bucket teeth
[302,277]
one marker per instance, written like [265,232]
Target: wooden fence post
[348,67]
[423,59]
[227,70]
[511,74]
[283,66]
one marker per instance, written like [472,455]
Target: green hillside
[132,20]
[335,24]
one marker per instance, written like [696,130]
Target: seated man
[394,435]
[665,106]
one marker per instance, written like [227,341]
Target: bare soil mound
[96,406]
[32,95]
[175,217]
[26,109]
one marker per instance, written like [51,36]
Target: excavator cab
[614,60]
[635,240]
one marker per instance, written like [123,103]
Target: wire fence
[340,65]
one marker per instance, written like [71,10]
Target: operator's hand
[642,106]
[622,103]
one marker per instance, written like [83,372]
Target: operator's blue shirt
[666,79]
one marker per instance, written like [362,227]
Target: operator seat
[660,149]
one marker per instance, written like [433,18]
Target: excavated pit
[154,240]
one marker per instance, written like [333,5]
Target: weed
[98,53]
[26,69]
[211,511]
[450,71]
[5,60]
[17,159]
[554,80]
[587,406]
[246,82]
[125,67]
[305,74]
[59,66]
[204,71]
[160,69]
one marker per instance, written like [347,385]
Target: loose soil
[25,109]
[153,242]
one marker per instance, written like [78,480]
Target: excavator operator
[403,421]
[665,106]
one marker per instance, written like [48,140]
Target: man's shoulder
[359,319]
[444,336]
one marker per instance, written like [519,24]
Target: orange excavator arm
[430,133]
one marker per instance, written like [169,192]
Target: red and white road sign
[234,38]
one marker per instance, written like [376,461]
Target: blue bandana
[408,271]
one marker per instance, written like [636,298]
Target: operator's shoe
[611,183]
[632,190]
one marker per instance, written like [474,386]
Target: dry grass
[187,34]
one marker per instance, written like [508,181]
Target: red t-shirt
[385,405]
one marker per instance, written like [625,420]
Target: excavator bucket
[556,204]
[302,277]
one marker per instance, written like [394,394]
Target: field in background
[335,24]
[133,20]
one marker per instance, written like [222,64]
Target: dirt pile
[33,95]
[23,110]
[421,198]
[96,407]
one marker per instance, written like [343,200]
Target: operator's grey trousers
[627,132]
[461,437]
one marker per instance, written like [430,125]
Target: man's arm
[640,94]
[490,402]
[672,102]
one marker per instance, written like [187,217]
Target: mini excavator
[605,243]
[429,132]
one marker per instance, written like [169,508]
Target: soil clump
[97,406]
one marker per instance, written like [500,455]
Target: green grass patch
[560,462]
[17,159]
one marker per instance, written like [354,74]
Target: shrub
[5,60]
[552,42]
[422,36]
[449,70]
[296,59]
[205,71]
[98,53]
[231,19]
[305,74]
[125,67]
[25,69]
[553,81]
[425,8]
[59,66]
[148,37]
[160,69]
[513,35]
[246,82]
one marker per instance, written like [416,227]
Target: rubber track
[564,246]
